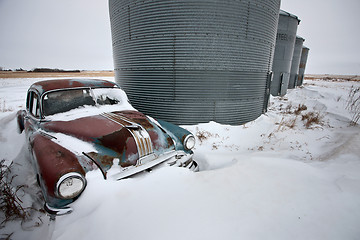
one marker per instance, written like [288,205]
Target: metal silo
[284,49]
[294,71]
[192,61]
[303,60]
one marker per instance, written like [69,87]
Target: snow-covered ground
[278,177]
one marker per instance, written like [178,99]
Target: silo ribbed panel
[303,60]
[294,71]
[195,61]
[284,49]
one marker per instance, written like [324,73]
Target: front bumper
[172,158]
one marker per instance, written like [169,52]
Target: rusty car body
[73,126]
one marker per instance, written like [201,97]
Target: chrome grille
[141,136]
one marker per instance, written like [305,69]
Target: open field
[107,73]
[24,74]
[329,77]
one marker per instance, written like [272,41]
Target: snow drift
[291,174]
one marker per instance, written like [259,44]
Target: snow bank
[277,177]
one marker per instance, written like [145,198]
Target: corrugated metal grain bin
[294,71]
[284,49]
[195,61]
[303,60]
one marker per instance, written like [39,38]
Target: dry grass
[353,104]
[286,123]
[300,108]
[332,78]
[203,135]
[6,236]
[308,117]
[290,110]
[311,118]
[4,108]
[10,203]
[24,74]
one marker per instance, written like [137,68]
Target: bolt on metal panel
[303,60]
[191,61]
[294,71]
[284,49]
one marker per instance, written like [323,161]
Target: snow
[75,145]
[273,178]
[85,111]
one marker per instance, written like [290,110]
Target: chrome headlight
[70,185]
[189,142]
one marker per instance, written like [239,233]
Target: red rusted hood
[93,127]
[124,135]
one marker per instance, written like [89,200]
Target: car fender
[52,162]
[177,133]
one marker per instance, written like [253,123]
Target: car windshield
[66,100]
[108,96]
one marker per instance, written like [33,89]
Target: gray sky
[66,34]
[75,34]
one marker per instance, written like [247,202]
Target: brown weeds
[203,135]
[311,118]
[353,104]
[4,108]
[300,108]
[10,203]
[289,123]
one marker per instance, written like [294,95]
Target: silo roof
[284,13]
[298,37]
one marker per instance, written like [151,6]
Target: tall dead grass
[10,204]
[4,108]
[353,104]
[309,118]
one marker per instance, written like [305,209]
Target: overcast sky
[75,34]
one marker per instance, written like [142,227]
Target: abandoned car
[74,126]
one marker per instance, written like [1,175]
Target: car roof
[57,84]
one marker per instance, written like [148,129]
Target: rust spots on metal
[49,85]
[125,135]
[120,141]
[59,154]
[53,161]
[137,117]
[119,144]
[86,128]
[138,132]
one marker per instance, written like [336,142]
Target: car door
[32,119]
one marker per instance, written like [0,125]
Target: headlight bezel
[64,179]
[189,142]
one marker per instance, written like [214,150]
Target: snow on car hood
[124,136]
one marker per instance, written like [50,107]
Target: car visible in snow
[74,126]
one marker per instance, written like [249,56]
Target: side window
[33,105]
[28,101]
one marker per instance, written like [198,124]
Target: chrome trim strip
[57,211]
[150,161]
[68,175]
[141,136]
[126,172]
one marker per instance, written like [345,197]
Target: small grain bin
[191,61]
[303,60]
[284,49]
[294,71]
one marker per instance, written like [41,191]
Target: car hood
[123,137]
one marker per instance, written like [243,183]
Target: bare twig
[10,203]
[353,104]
